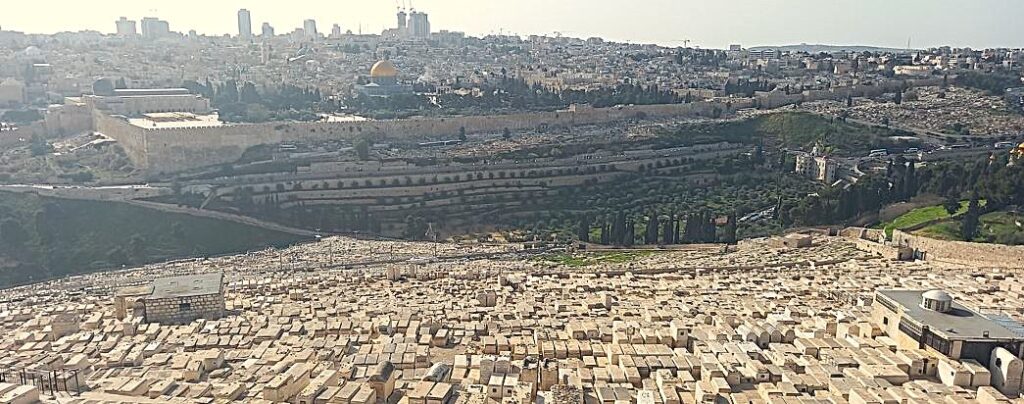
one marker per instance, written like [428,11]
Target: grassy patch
[920,216]
[579,260]
[789,129]
[48,237]
[949,230]
[1001,228]
[995,227]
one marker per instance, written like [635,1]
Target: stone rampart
[164,150]
[161,150]
[961,252]
[132,138]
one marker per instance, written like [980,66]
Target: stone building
[933,321]
[135,102]
[817,166]
[129,300]
[183,299]
[384,81]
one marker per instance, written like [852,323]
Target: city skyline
[980,24]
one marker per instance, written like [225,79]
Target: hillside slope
[42,237]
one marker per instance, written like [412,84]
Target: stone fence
[962,252]
[975,255]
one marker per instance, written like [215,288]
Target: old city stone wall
[70,118]
[961,252]
[172,311]
[165,150]
[131,137]
[174,149]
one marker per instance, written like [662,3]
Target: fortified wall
[164,150]
[907,246]
[962,252]
[132,138]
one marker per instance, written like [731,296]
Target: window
[184,306]
[936,342]
[999,362]
[885,320]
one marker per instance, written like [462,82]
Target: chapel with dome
[384,81]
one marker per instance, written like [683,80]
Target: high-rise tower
[309,27]
[402,20]
[419,25]
[244,24]
[126,27]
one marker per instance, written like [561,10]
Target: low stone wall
[885,250]
[170,310]
[961,252]
[861,233]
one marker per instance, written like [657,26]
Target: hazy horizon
[927,23]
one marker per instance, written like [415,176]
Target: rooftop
[121,92]
[164,120]
[190,285]
[958,324]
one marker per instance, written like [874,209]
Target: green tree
[137,248]
[651,235]
[256,113]
[362,146]
[249,94]
[583,233]
[39,146]
[952,205]
[969,224]
[730,229]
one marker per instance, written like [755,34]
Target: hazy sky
[708,23]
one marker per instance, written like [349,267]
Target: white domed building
[934,321]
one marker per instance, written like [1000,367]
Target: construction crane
[686,42]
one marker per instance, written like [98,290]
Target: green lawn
[949,230]
[1002,228]
[995,227]
[921,215]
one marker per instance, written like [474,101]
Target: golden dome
[384,68]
